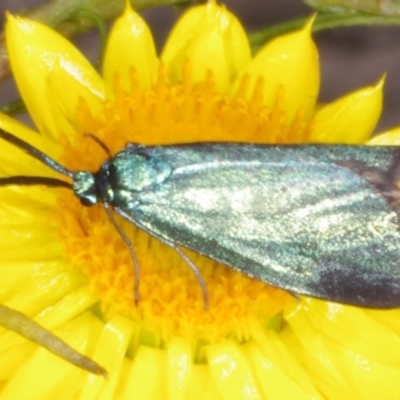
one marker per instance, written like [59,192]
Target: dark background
[350,57]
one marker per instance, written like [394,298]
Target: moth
[316,220]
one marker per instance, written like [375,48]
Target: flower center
[171,301]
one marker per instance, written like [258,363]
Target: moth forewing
[297,217]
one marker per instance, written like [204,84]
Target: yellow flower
[65,266]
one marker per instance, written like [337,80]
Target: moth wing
[305,225]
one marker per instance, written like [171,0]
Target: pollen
[171,301]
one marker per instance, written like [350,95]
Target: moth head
[84,187]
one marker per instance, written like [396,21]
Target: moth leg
[195,270]
[128,242]
[184,257]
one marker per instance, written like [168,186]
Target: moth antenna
[34,152]
[100,143]
[131,251]
[185,258]
[34,180]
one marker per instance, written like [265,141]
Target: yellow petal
[76,298]
[370,362]
[110,353]
[231,372]
[15,127]
[35,51]
[144,378]
[13,357]
[387,318]
[68,307]
[179,368]
[272,380]
[357,352]
[17,162]
[388,138]
[202,386]
[273,346]
[290,64]
[322,361]
[350,119]
[370,379]
[130,46]
[351,327]
[212,39]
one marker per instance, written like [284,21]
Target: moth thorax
[136,172]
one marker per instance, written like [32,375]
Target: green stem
[327,19]
[13,108]
[102,28]
[381,7]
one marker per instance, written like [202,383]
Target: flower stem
[383,7]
